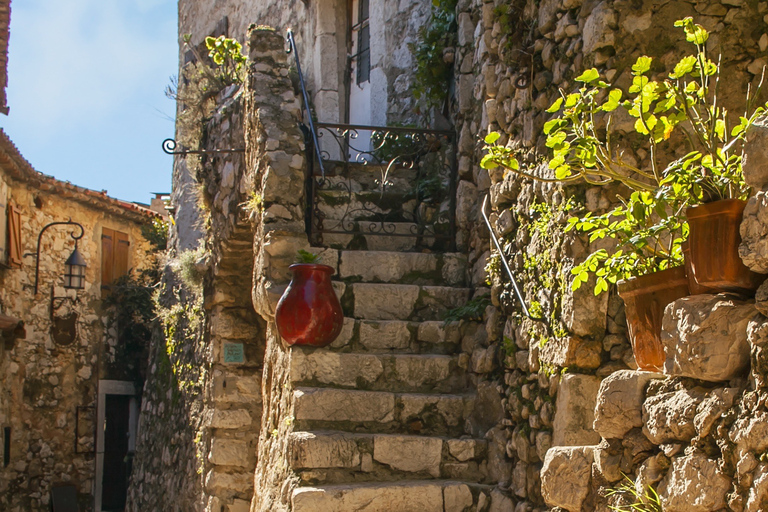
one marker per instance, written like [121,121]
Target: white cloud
[82,60]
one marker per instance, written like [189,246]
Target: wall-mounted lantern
[74,267]
[74,270]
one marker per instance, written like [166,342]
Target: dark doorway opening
[117,469]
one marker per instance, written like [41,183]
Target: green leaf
[642,65]
[720,128]
[562,172]
[682,68]
[572,99]
[551,124]
[555,139]
[589,75]
[492,137]
[614,97]
[555,106]
[488,162]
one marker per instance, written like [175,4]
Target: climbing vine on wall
[434,54]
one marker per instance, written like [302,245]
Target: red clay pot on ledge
[645,298]
[713,249]
[309,313]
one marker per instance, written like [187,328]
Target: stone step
[403,268]
[381,372]
[380,411]
[388,336]
[402,496]
[378,301]
[392,236]
[339,457]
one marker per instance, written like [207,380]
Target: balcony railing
[372,181]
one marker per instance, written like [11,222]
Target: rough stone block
[584,313]
[334,368]
[693,484]
[230,452]
[750,434]
[389,267]
[463,449]
[384,302]
[705,336]
[754,233]
[575,411]
[233,418]
[403,497]
[565,476]
[571,352]
[755,160]
[453,408]
[597,31]
[620,402]
[310,450]
[346,334]
[385,335]
[423,369]
[457,497]
[668,417]
[239,506]
[218,482]
[437,332]
[328,404]
[409,453]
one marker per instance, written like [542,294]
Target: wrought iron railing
[515,287]
[379,181]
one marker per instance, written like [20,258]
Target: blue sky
[86,81]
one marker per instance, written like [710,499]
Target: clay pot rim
[312,266]
[650,282]
[720,207]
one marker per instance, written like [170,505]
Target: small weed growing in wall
[473,310]
[189,267]
[227,54]
[253,206]
[647,501]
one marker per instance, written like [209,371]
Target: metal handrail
[519,294]
[312,132]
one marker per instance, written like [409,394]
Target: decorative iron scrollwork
[170,145]
[384,181]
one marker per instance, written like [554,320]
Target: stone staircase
[352,199]
[380,416]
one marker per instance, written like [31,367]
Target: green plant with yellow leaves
[683,108]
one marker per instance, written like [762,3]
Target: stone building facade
[519,412]
[60,385]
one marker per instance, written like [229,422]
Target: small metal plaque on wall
[234,353]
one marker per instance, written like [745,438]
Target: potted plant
[309,312]
[650,226]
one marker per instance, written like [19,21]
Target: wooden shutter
[114,257]
[107,257]
[121,249]
[14,236]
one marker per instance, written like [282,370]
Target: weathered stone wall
[254,206]
[322,35]
[276,163]
[511,60]
[43,381]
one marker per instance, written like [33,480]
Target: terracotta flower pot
[645,298]
[713,249]
[309,313]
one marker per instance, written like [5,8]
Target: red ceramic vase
[309,313]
